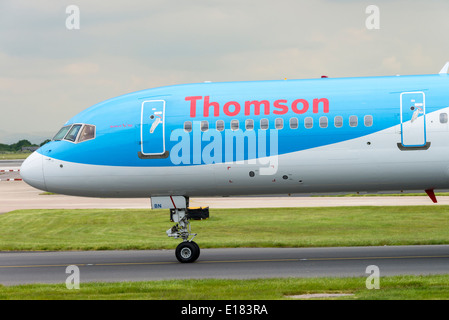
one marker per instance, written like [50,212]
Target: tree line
[15,147]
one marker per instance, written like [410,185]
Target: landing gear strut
[187,251]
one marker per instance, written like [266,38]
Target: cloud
[392,63]
[80,69]
[49,73]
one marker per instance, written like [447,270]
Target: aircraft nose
[32,171]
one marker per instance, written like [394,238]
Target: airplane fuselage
[261,137]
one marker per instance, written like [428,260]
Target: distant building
[24,149]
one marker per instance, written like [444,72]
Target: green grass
[274,227]
[391,288]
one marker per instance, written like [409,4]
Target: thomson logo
[255,107]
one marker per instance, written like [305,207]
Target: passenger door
[153,128]
[413,119]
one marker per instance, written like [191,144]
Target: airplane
[370,134]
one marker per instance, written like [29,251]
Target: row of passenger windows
[293,123]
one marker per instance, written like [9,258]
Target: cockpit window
[71,136]
[61,133]
[87,133]
[76,133]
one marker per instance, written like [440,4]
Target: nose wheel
[187,251]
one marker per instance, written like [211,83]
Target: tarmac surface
[237,263]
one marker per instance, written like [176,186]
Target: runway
[238,263]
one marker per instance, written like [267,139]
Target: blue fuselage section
[323,109]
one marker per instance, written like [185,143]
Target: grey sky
[49,73]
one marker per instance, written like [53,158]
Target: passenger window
[353,121]
[87,133]
[338,121]
[264,124]
[323,122]
[234,125]
[249,124]
[61,133]
[204,125]
[308,123]
[443,117]
[368,121]
[293,123]
[71,136]
[219,125]
[279,123]
[188,126]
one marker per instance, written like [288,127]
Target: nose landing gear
[187,251]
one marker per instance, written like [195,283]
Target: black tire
[198,249]
[187,252]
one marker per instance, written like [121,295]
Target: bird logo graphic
[416,112]
[156,122]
